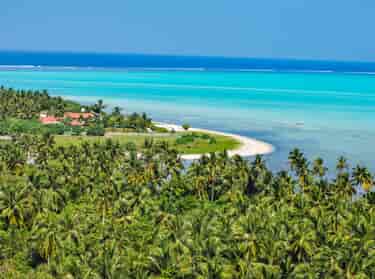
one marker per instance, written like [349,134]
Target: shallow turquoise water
[324,114]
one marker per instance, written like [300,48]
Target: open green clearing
[202,142]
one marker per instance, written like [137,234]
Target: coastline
[248,146]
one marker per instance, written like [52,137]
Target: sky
[302,29]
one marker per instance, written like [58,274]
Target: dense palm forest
[102,211]
[27,104]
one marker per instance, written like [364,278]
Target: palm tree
[295,157]
[342,164]
[111,265]
[318,168]
[361,176]
[99,107]
[14,204]
[117,111]
[46,233]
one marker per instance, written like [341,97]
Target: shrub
[3,128]
[20,126]
[185,139]
[186,126]
[97,130]
[54,129]
[76,130]
[159,129]
[130,146]
[205,136]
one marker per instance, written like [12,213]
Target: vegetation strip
[37,113]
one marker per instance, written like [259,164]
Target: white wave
[18,66]
[167,69]
[183,69]
[232,88]
[311,71]
[209,87]
[256,70]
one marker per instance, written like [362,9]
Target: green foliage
[185,139]
[212,140]
[103,210]
[72,106]
[55,129]
[190,138]
[159,129]
[11,126]
[18,105]
[134,122]
[186,126]
[95,130]
[23,104]
[77,130]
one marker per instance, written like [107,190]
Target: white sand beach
[248,147]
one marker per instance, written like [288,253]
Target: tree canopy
[106,211]
[20,111]
[27,104]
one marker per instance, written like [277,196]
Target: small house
[49,120]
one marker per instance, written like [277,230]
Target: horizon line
[295,59]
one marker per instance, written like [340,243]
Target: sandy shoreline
[249,146]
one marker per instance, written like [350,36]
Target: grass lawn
[198,146]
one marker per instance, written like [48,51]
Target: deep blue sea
[325,108]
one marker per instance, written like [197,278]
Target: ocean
[325,108]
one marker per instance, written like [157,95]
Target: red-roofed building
[78,115]
[49,120]
[76,118]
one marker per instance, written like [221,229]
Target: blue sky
[312,29]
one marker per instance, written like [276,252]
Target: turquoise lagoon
[323,114]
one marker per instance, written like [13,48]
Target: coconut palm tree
[14,204]
[47,234]
[294,158]
[99,107]
[342,164]
[318,168]
[361,176]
